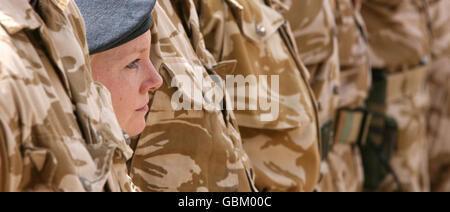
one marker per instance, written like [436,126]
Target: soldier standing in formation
[282,144]
[188,149]
[331,41]
[399,47]
[339,103]
[58,129]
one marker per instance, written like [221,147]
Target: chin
[136,128]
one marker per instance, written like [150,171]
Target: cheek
[124,98]
[122,95]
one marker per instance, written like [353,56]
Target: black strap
[390,170]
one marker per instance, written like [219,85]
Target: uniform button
[261,30]
[424,61]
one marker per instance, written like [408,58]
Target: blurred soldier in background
[439,89]
[58,130]
[399,38]
[283,144]
[352,119]
[330,38]
[188,149]
[314,29]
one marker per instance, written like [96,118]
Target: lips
[143,109]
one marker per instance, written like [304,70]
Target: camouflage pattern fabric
[394,156]
[439,90]
[284,149]
[438,125]
[282,158]
[315,33]
[398,33]
[188,150]
[58,130]
[331,44]
[314,28]
[355,71]
[355,80]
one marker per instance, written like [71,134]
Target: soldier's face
[129,75]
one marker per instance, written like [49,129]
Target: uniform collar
[17,15]
[62,4]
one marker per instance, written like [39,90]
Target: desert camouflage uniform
[439,89]
[327,32]
[188,150]
[394,156]
[58,131]
[353,54]
[283,147]
[351,120]
[314,29]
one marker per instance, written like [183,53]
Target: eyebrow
[140,49]
[136,50]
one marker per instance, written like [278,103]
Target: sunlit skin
[129,75]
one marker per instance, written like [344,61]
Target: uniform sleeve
[11,164]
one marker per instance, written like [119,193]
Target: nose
[153,80]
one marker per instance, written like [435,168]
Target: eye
[133,65]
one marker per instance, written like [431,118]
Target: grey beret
[111,23]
